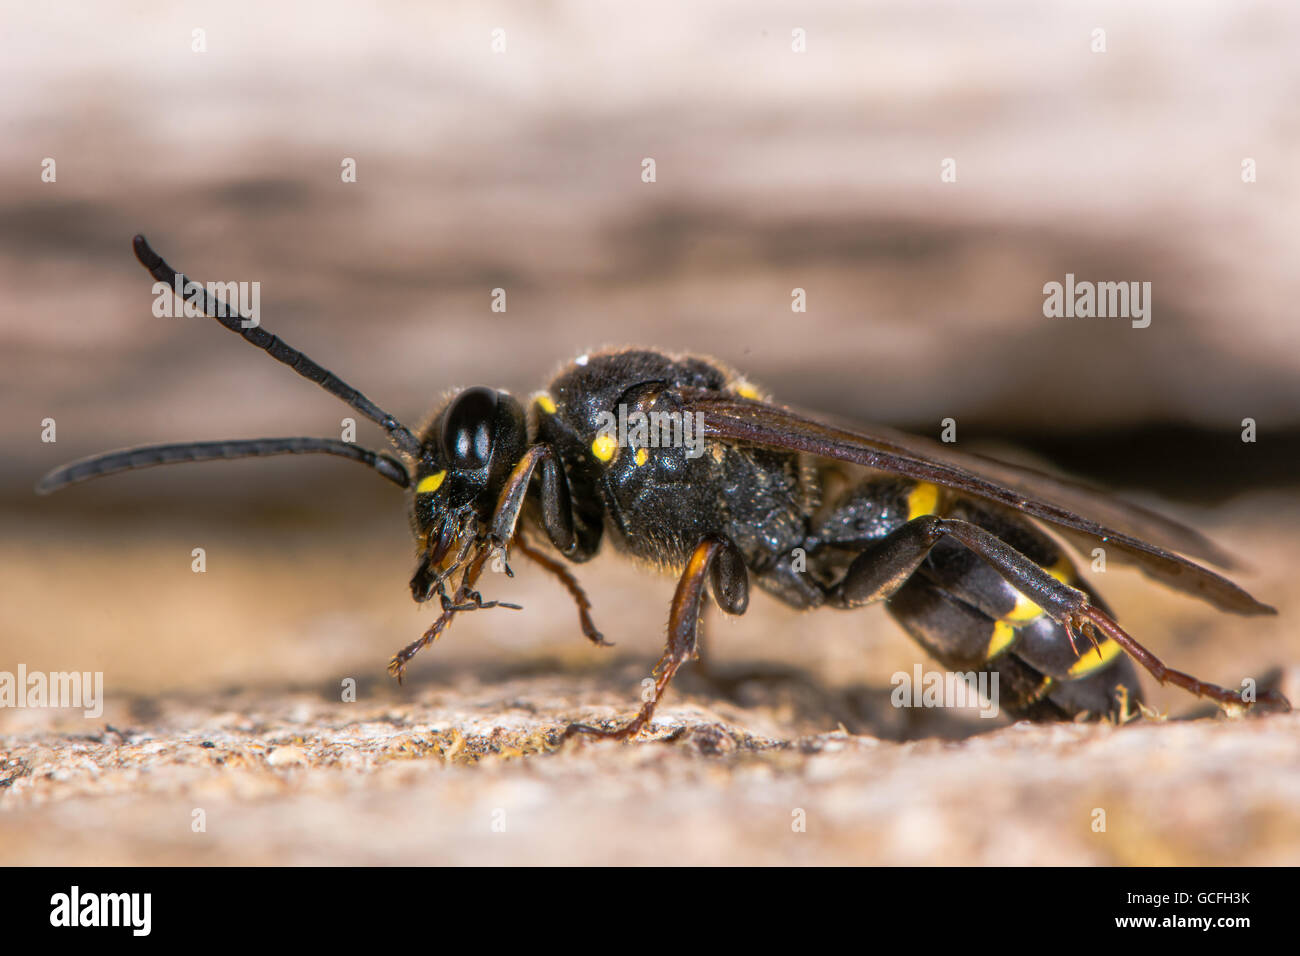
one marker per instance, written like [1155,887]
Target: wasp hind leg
[880,571]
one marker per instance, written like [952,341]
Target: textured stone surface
[457,778]
[223,694]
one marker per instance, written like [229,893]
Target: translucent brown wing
[1096,503]
[1124,531]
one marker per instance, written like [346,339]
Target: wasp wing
[1075,496]
[731,418]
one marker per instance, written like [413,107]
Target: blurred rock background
[521,170]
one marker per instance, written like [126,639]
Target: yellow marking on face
[642,456]
[745,390]
[1004,635]
[545,402]
[1091,660]
[430,483]
[922,500]
[604,447]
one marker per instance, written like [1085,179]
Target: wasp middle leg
[557,568]
[717,560]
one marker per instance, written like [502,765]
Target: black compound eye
[467,429]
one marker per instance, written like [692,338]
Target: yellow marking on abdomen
[1062,570]
[1025,609]
[1041,691]
[430,483]
[922,500]
[604,447]
[1095,658]
[1004,635]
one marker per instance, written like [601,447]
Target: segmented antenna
[147,456]
[398,433]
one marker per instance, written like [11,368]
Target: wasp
[679,461]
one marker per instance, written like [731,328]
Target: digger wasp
[815,514]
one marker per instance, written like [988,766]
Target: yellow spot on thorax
[642,456]
[430,483]
[745,390]
[922,500]
[544,401]
[604,447]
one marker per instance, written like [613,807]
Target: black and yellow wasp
[817,515]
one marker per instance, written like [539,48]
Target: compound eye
[467,429]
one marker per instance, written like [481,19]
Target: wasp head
[468,452]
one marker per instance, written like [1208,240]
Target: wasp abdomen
[964,612]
